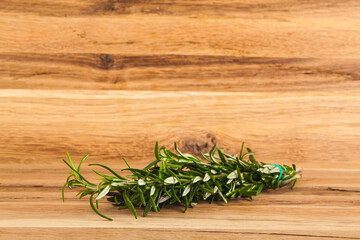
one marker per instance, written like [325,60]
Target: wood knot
[196,146]
[106,61]
[111,5]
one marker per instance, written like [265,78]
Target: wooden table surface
[111,77]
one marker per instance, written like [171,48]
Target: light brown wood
[110,78]
[325,29]
[176,72]
[39,126]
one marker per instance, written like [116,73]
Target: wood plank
[300,127]
[216,8]
[81,233]
[302,214]
[302,37]
[175,72]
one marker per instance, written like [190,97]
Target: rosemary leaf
[182,178]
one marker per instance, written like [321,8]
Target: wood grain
[176,72]
[111,77]
[268,34]
[111,124]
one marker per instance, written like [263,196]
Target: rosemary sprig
[176,177]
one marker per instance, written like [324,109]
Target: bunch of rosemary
[182,178]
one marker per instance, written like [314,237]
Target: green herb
[176,177]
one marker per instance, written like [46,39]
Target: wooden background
[111,77]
